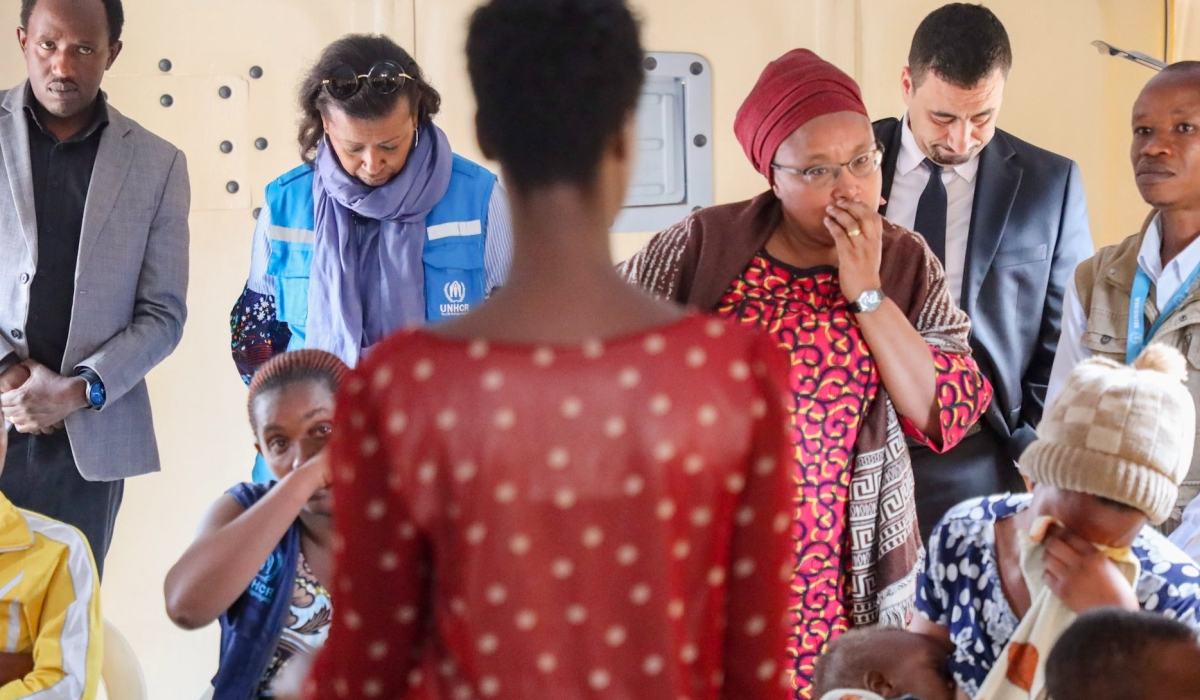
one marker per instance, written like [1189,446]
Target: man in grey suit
[1009,222]
[93,271]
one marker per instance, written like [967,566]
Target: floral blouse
[257,334]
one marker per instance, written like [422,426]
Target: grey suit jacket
[130,279]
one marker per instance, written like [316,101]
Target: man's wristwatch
[866,302]
[95,388]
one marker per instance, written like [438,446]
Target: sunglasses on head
[384,78]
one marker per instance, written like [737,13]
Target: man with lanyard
[1145,288]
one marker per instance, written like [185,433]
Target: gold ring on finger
[854,232]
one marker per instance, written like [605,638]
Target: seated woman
[878,349]
[263,552]
[1005,575]
[382,226]
[577,490]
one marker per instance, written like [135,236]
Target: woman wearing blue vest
[382,226]
[262,558]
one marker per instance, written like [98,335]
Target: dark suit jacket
[1029,229]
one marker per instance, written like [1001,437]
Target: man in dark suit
[1009,222]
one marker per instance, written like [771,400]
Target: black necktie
[931,212]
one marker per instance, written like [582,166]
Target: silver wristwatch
[867,302]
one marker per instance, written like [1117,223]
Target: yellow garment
[49,606]
[1020,672]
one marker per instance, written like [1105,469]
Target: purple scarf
[363,275]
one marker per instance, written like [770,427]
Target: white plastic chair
[121,673]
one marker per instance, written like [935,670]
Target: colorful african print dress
[834,384]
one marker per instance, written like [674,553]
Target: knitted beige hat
[1123,433]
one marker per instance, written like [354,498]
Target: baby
[884,662]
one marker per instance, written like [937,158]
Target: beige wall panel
[199,401]
[1187,30]
[738,39]
[210,169]
[440,35]
[1062,95]
[1141,26]
[206,447]
[225,38]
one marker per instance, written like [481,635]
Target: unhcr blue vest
[251,627]
[453,255]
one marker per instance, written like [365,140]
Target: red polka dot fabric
[610,520]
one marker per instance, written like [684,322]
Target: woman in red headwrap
[878,349]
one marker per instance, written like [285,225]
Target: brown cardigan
[696,261]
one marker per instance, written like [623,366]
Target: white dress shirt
[1167,281]
[909,182]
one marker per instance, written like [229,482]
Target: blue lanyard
[1138,335]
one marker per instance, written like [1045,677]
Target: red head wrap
[793,89]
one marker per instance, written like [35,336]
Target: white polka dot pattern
[574,497]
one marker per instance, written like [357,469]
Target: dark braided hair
[294,367]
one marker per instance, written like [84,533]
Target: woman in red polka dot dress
[576,491]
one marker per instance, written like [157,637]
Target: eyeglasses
[825,175]
[384,78]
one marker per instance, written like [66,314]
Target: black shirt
[62,172]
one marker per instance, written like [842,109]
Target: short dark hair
[849,658]
[554,81]
[962,43]
[1099,656]
[1184,69]
[113,10]
[360,52]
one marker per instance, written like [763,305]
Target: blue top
[250,628]
[468,240]
[959,585]
[462,259]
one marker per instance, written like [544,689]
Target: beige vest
[1104,284]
